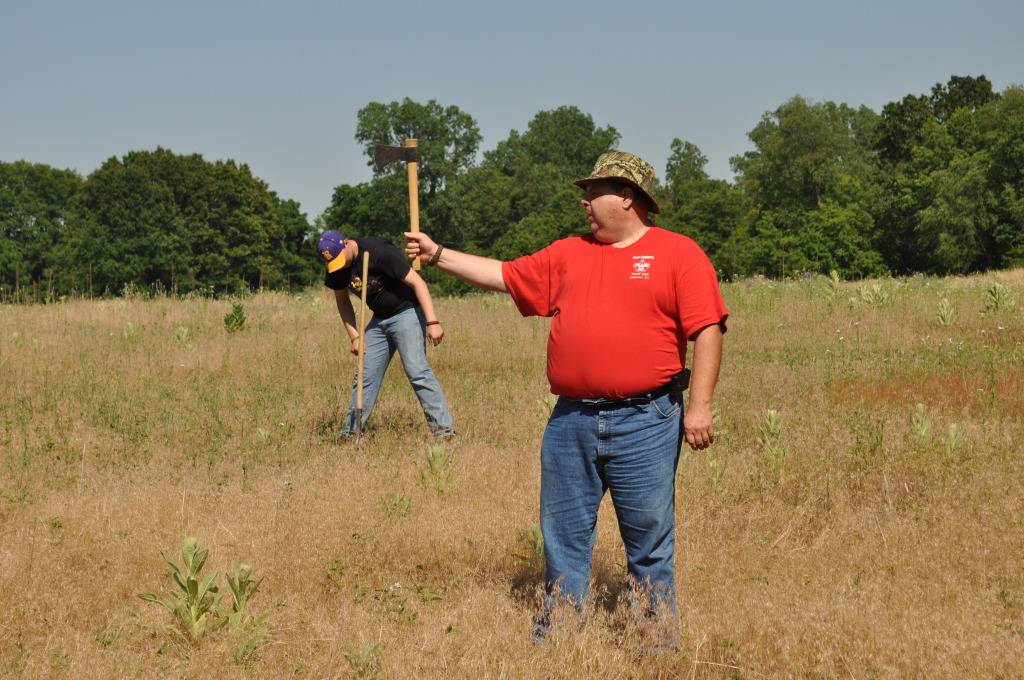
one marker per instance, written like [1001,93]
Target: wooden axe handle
[362,335]
[414,196]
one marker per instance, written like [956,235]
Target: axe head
[386,155]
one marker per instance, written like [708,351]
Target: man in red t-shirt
[624,300]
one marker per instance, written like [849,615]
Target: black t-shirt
[386,294]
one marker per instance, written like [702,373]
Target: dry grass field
[860,516]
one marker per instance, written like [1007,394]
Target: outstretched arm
[482,272]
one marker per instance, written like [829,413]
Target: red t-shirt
[620,316]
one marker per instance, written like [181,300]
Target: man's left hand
[700,432]
[435,334]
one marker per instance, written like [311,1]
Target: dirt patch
[948,391]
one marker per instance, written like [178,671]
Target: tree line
[933,183]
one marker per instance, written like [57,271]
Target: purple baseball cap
[331,247]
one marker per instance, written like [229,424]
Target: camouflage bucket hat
[625,167]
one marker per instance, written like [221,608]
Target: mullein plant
[438,472]
[997,298]
[234,320]
[196,604]
[248,631]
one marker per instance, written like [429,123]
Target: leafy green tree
[685,163]
[708,210]
[128,229]
[298,266]
[564,137]
[378,207]
[1001,134]
[35,202]
[528,178]
[448,138]
[804,152]
[961,92]
[477,209]
[155,218]
[810,183]
[952,226]
[900,127]
[925,220]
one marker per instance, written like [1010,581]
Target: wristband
[436,256]
[433,323]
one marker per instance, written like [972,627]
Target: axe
[362,347]
[410,153]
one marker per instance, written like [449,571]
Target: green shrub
[235,320]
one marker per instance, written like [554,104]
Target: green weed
[437,476]
[531,544]
[921,423]
[868,441]
[998,298]
[196,605]
[833,285]
[247,632]
[427,595]
[364,660]
[770,427]
[945,313]
[872,295]
[108,637]
[397,506]
[773,454]
[234,321]
[717,470]
[335,573]
[954,444]
[393,603]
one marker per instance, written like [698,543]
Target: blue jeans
[632,451]
[405,332]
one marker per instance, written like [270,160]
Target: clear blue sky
[277,85]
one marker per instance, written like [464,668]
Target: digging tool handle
[362,342]
[414,195]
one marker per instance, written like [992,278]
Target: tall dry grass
[864,536]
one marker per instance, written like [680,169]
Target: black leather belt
[677,385]
[612,402]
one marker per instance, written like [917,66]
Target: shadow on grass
[608,587]
[328,426]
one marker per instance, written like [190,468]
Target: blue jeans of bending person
[405,333]
[631,451]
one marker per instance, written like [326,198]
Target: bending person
[403,319]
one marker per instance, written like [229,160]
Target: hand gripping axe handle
[410,153]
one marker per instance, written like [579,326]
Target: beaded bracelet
[436,256]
